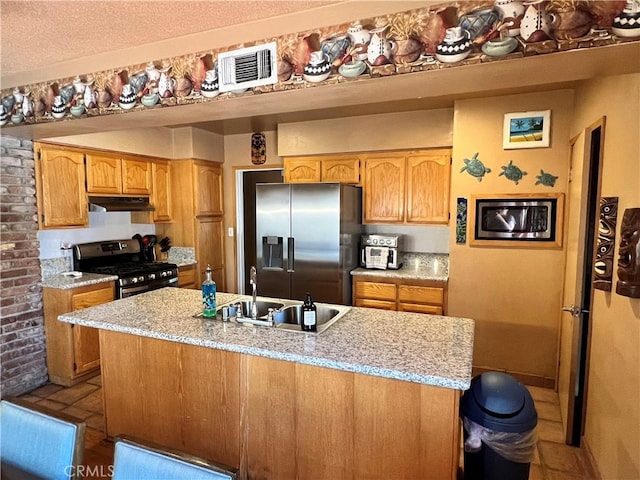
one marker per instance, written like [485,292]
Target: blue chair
[138,460]
[36,442]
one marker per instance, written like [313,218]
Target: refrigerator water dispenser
[272,252]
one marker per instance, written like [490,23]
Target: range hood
[120,204]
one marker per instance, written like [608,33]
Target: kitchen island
[374,396]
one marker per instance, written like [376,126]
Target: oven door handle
[128,291]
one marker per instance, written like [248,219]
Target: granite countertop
[64,282]
[427,349]
[415,266]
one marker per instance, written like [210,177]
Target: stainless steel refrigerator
[307,238]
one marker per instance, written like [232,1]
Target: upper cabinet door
[136,176]
[161,190]
[341,169]
[104,174]
[208,188]
[60,182]
[384,187]
[428,180]
[301,170]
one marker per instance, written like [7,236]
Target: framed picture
[526,129]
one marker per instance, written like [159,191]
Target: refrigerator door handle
[291,259]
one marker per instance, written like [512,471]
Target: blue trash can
[499,419]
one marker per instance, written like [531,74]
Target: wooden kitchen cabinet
[407,187]
[73,352]
[418,296]
[60,207]
[161,190]
[209,245]
[428,182]
[197,218]
[374,295]
[384,188]
[208,176]
[264,417]
[187,277]
[325,168]
[114,174]
[421,299]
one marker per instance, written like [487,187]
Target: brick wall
[22,346]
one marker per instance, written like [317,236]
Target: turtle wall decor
[546,179]
[512,172]
[475,167]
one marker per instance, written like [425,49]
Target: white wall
[431,239]
[102,226]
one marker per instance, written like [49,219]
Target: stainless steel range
[128,260]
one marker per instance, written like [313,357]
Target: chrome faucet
[253,274]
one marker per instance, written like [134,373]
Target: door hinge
[75,367]
[42,217]
[39,154]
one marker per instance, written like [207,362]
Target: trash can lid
[499,402]
[498,393]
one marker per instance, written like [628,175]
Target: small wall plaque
[461,221]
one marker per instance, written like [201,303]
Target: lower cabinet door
[381,304]
[187,277]
[87,349]
[418,308]
[86,343]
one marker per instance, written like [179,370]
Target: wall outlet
[230,232]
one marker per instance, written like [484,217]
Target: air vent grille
[247,67]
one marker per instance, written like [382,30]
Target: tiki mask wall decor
[606,242]
[258,149]
[629,255]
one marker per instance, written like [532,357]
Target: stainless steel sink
[288,313]
[262,307]
[327,315]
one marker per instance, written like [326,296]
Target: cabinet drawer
[369,303]
[376,291]
[92,298]
[418,308]
[411,294]
[187,277]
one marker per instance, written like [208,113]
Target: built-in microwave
[516,217]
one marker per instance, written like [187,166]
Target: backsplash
[102,226]
[426,263]
[54,266]
[182,255]
[431,239]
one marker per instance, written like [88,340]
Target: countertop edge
[261,352]
[63,282]
[389,340]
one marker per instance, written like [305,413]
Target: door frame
[581,342]
[239,219]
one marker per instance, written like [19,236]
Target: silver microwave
[520,219]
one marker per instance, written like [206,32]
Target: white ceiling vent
[248,67]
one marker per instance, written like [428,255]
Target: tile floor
[553,459]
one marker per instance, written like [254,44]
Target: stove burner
[132,268]
[123,258]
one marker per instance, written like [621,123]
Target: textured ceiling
[39,33]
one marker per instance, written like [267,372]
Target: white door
[582,203]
